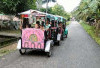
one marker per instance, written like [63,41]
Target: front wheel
[22,51]
[49,54]
[66,36]
[62,38]
[50,51]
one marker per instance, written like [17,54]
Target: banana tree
[88,9]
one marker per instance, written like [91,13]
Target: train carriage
[37,39]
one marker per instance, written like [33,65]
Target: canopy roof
[38,13]
[34,12]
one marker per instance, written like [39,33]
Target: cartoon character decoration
[33,38]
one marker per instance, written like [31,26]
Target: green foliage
[16,6]
[87,8]
[44,10]
[67,23]
[89,11]
[57,10]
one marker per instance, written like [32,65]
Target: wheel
[66,36]
[22,51]
[49,54]
[58,43]
[62,37]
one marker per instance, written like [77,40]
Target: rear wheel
[62,37]
[50,52]
[58,43]
[66,35]
[22,51]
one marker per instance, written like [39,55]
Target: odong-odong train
[41,31]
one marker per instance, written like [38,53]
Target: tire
[22,52]
[66,35]
[62,38]
[58,43]
[50,52]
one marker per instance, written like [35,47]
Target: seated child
[42,26]
[37,25]
[47,24]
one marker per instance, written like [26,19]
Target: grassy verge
[7,42]
[67,23]
[8,49]
[11,31]
[91,31]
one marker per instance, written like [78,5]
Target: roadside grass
[91,31]
[67,23]
[4,52]
[7,42]
[8,49]
[11,31]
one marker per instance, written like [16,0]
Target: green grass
[7,42]
[11,31]
[67,23]
[91,31]
[4,52]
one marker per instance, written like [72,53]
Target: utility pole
[39,4]
[47,7]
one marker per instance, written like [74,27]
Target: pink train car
[34,39]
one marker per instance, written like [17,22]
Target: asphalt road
[79,50]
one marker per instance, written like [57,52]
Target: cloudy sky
[69,5]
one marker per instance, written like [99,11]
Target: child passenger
[42,26]
[24,24]
[60,27]
[47,24]
[37,25]
[28,25]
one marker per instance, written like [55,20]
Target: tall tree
[87,10]
[16,6]
[57,10]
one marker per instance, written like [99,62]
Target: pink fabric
[32,38]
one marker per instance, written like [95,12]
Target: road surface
[79,50]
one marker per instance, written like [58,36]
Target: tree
[49,10]
[57,10]
[16,6]
[89,10]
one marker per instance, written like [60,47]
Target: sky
[68,5]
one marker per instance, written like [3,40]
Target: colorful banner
[32,38]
